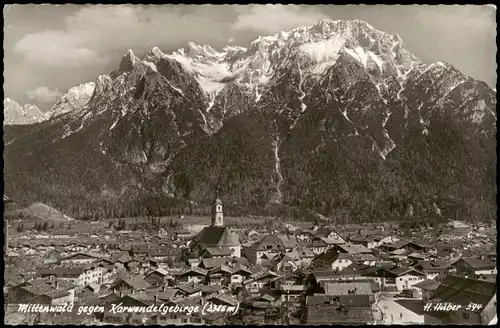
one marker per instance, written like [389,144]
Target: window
[466,315]
[184,320]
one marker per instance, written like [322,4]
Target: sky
[50,48]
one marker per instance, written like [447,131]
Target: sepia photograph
[259,164]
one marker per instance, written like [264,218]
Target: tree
[20,228]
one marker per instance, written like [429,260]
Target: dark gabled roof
[46,286]
[478,264]
[326,258]
[221,269]
[354,248]
[190,288]
[318,242]
[464,291]
[167,293]
[195,271]
[210,289]
[431,266]
[213,236]
[137,283]
[63,271]
[218,251]
[398,244]
[240,268]
[81,255]
[271,239]
[428,284]
[401,271]
[323,232]
[361,257]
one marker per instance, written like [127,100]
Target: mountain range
[15,114]
[337,118]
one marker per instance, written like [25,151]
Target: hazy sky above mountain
[50,48]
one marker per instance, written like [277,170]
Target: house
[240,273]
[195,274]
[367,242]
[220,275]
[267,244]
[48,291]
[428,288]
[216,235]
[287,262]
[305,254]
[387,240]
[407,277]
[207,290]
[318,246]
[351,248]
[443,250]
[432,268]
[407,246]
[190,290]
[472,267]
[289,242]
[81,275]
[210,263]
[291,293]
[162,254]
[329,234]
[222,299]
[80,258]
[79,248]
[182,235]
[464,291]
[258,280]
[382,275]
[127,286]
[157,276]
[337,310]
[142,299]
[216,252]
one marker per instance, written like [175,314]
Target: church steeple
[217,216]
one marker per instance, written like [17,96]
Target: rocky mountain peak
[76,98]
[128,61]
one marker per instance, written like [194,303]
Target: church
[216,237]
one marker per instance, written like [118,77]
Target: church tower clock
[217,216]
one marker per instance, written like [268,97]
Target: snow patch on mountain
[76,98]
[324,50]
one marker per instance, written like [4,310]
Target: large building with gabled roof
[216,235]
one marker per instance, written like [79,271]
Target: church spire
[217,215]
